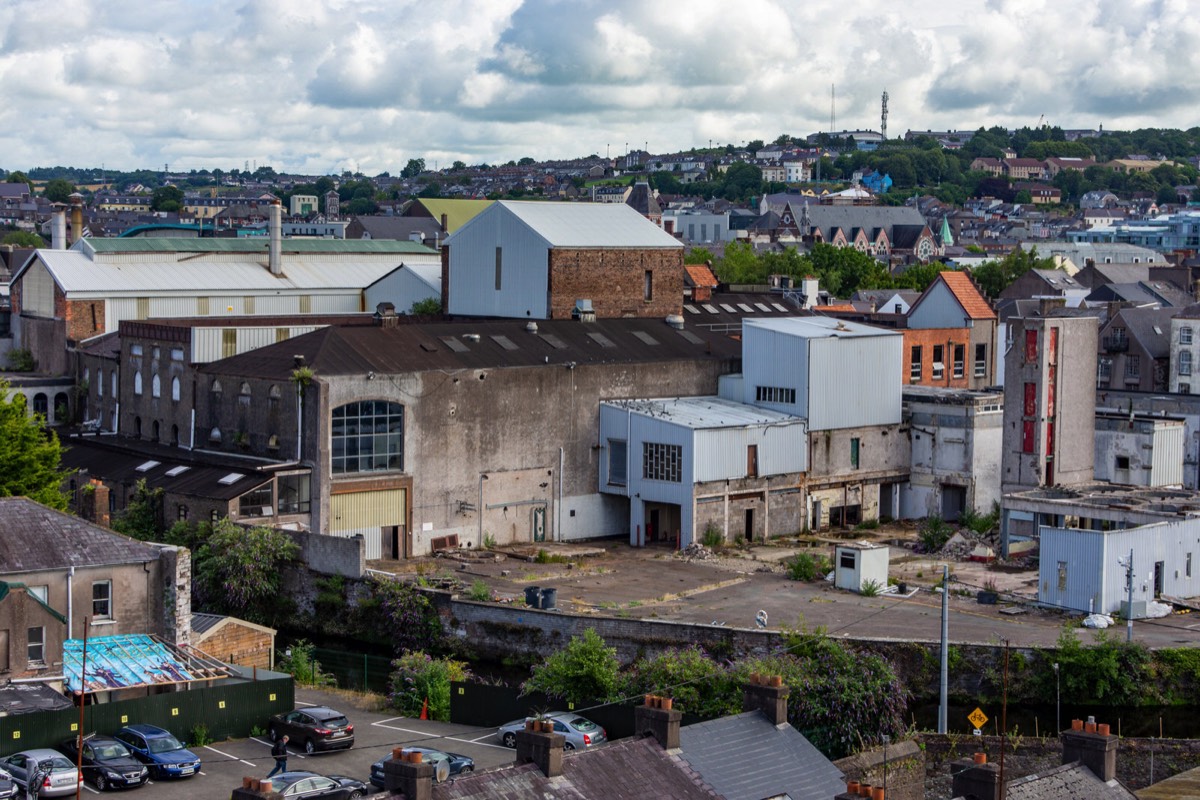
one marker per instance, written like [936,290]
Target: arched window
[41,404]
[245,389]
[62,408]
[368,437]
[175,389]
[273,393]
[100,383]
[155,386]
[273,442]
[137,383]
[216,386]
[214,435]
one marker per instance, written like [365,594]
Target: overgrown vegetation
[586,669]
[30,455]
[418,679]
[807,566]
[934,533]
[199,735]
[238,571]
[870,588]
[298,661]
[980,523]
[480,592]
[1108,671]
[21,360]
[427,307]
[712,538]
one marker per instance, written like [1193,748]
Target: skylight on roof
[601,339]
[778,307]
[146,466]
[728,308]
[645,337]
[504,342]
[762,307]
[173,471]
[231,478]
[745,308]
[691,337]
[691,309]
[553,341]
[1158,330]
[710,309]
[454,344]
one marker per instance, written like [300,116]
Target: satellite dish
[441,770]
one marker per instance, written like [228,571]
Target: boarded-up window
[752,461]
[1027,436]
[143,307]
[499,266]
[1031,346]
[305,304]
[1030,399]
[228,343]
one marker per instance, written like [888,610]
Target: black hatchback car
[106,762]
[311,786]
[313,728]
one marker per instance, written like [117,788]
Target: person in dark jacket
[37,776]
[279,750]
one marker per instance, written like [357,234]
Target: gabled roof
[37,538]
[610,225]
[746,757]
[635,767]
[968,295]
[700,275]
[5,586]
[1150,327]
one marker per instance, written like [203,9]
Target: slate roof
[202,622]
[38,538]
[1140,324]
[13,190]
[400,228]
[746,757]
[1160,292]
[1069,782]
[624,769]
[968,295]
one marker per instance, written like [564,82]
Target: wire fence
[359,671]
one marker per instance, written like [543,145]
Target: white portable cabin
[860,563]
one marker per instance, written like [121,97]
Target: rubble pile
[696,552]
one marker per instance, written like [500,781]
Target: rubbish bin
[549,598]
[533,596]
[902,588]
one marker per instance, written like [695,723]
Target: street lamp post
[1057,702]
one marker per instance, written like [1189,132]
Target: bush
[403,616]
[870,588]
[480,592]
[934,533]
[1109,672]
[698,684]
[585,669]
[298,661]
[980,523]
[712,537]
[21,360]
[417,678]
[199,736]
[807,566]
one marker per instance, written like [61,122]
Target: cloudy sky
[324,85]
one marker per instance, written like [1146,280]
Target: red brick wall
[85,318]
[926,339]
[614,280]
[237,644]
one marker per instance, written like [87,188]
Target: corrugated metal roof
[202,622]
[818,327]
[167,244]
[705,412]
[76,273]
[584,224]
[128,661]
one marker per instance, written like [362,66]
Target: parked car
[163,754]
[8,787]
[106,762]
[580,732]
[456,764]
[311,786]
[63,778]
[313,728]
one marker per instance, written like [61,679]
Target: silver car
[63,778]
[580,733]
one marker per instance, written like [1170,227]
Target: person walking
[36,777]
[279,750]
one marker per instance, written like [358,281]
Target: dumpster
[533,596]
[549,598]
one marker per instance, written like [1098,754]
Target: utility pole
[1129,592]
[1004,716]
[943,705]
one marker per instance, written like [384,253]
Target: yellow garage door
[367,513]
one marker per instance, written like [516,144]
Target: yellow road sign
[978,718]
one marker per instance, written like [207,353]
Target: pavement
[731,589]
[375,734]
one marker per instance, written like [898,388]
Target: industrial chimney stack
[275,247]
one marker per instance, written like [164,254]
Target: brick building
[950,337]
[536,260]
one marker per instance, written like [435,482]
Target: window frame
[39,643]
[356,450]
[662,461]
[102,607]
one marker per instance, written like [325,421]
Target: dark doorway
[1158,578]
[749,524]
[652,526]
[954,501]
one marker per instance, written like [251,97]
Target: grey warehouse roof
[818,327]
[701,413]
[581,224]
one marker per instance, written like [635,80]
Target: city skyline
[329,86]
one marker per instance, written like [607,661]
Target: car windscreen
[164,744]
[110,750]
[581,724]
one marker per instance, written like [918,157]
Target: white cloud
[326,84]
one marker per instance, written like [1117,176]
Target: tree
[526,161]
[426,307]
[23,239]
[414,168]
[166,198]
[239,570]
[994,277]
[142,517]
[584,670]
[58,190]
[30,455]
[458,165]
[17,177]
[698,255]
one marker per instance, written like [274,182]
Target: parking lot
[375,734]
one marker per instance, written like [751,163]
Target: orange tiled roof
[848,307]
[974,303]
[701,275]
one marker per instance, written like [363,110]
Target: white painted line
[302,703]
[428,735]
[89,788]
[230,757]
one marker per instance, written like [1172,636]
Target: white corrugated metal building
[1082,570]
[671,457]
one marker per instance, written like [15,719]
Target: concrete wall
[776,503]
[331,555]
[1139,451]
[1185,407]
[956,445]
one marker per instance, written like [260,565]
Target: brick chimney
[91,502]
[974,777]
[543,748]
[405,773]
[657,718]
[1093,746]
[768,694]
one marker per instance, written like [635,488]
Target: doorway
[954,502]
[1158,578]
[749,524]
[652,525]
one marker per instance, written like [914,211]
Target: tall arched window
[368,437]
[100,383]
[41,404]
[137,383]
[156,386]
[175,389]
[113,376]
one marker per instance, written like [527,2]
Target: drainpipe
[192,437]
[70,601]
[558,525]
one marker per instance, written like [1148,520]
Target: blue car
[456,765]
[160,751]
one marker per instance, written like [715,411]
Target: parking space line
[302,703]
[227,755]
[428,735]
[90,789]
[270,744]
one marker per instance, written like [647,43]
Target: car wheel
[355,795]
[466,770]
[568,746]
[101,782]
[309,746]
[272,734]
[509,739]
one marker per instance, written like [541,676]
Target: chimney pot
[1076,724]
[976,780]
[877,793]
[1094,749]
[981,758]
[412,779]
